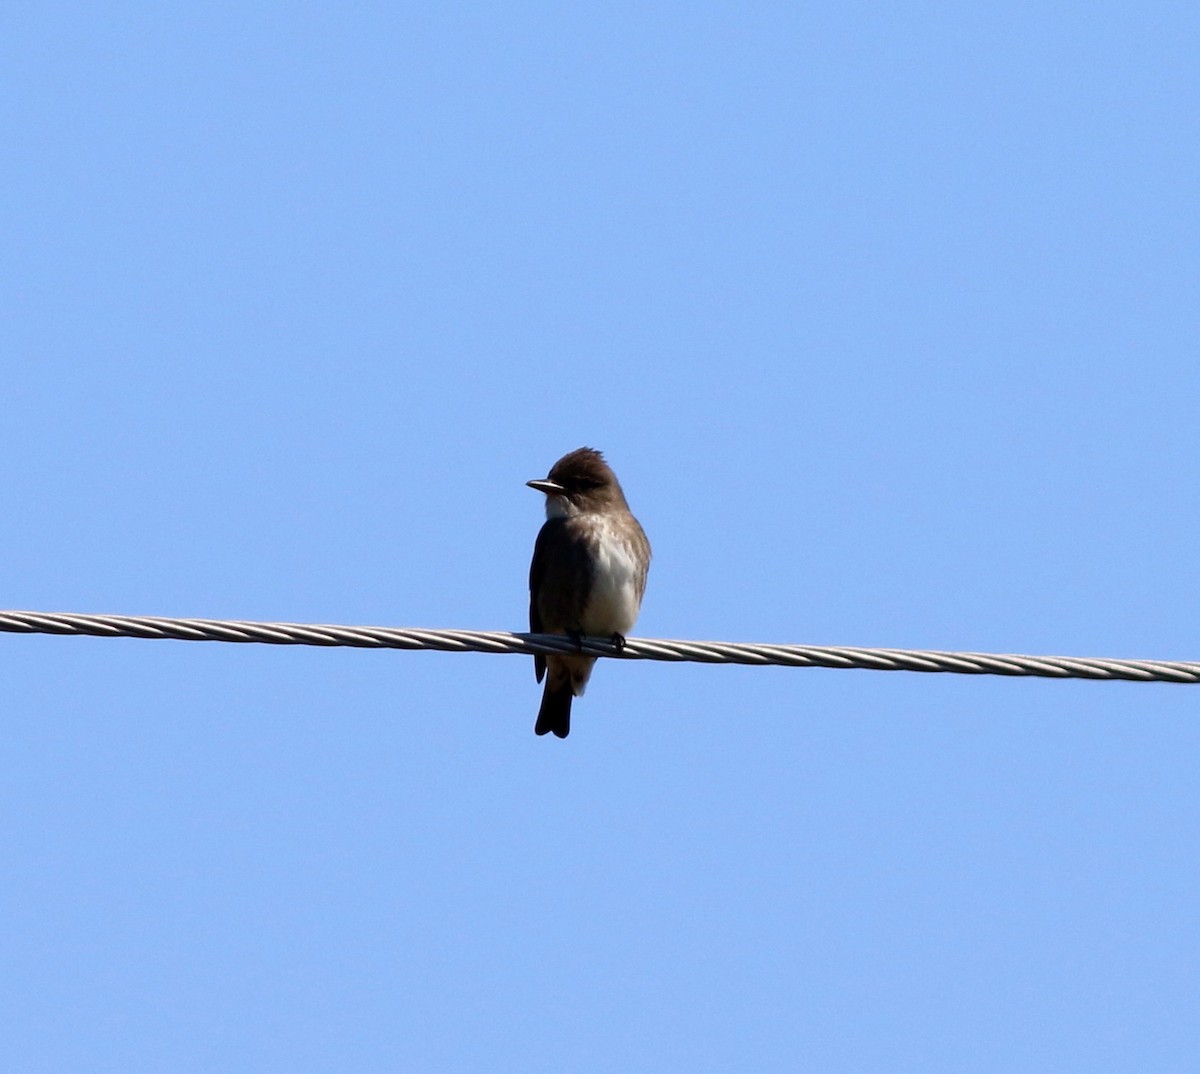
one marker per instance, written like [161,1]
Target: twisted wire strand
[497,641]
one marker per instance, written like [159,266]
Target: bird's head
[580,482]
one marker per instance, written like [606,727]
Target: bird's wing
[560,580]
[536,569]
[642,546]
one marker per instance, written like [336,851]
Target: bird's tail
[555,713]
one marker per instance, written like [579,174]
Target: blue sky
[886,316]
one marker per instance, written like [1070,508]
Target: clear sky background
[886,316]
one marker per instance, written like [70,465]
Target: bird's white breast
[612,606]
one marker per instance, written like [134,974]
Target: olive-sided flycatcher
[587,577]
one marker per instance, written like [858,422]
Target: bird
[587,577]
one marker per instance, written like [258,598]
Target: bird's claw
[617,640]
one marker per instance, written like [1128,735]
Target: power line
[704,652]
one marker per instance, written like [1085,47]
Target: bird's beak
[550,488]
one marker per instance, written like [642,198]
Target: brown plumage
[587,577]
